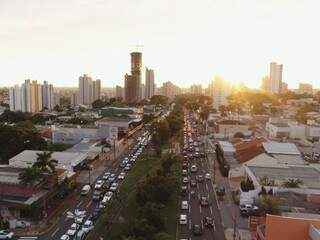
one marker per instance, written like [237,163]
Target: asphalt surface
[196,212]
[85,202]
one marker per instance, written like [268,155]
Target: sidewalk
[228,209]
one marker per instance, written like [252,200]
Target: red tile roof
[246,150]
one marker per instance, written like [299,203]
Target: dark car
[97,195]
[193,183]
[185,165]
[208,222]
[197,230]
[221,191]
[184,190]
[200,178]
[204,201]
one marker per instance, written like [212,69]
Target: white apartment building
[31,96]
[275,80]
[150,87]
[89,90]
[220,90]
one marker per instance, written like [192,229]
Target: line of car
[104,190]
[191,152]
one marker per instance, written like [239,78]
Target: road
[83,202]
[196,212]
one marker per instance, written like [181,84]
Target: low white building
[71,161]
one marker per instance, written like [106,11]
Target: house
[294,226]
[228,128]
[70,161]
[17,197]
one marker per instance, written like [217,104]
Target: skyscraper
[150,88]
[47,95]
[132,81]
[31,96]
[275,81]
[220,90]
[196,89]
[119,92]
[169,90]
[89,90]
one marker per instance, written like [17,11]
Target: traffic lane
[219,228]
[85,203]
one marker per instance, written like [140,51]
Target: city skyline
[214,35]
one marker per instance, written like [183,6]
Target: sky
[184,41]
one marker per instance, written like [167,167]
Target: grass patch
[130,210]
[137,173]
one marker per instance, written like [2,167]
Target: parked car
[248,210]
[22,224]
[5,234]
[85,190]
[220,190]
[108,195]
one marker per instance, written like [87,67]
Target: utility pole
[114,149]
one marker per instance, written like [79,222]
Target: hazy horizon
[186,42]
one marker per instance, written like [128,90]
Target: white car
[121,175]
[73,229]
[87,226]
[79,220]
[208,176]
[183,220]
[5,234]
[194,168]
[99,184]
[112,177]
[108,195]
[65,237]
[22,224]
[128,167]
[106,176]
[185,180]
[184,205]
[113,187]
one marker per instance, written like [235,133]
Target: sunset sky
[185,41]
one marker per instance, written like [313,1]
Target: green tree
[292,183]
[45,163]
[238,135]
[163,236]
[30,175]
[270,205]
[98,104]
[159,100]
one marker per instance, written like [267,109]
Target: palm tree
[30,175]
[270,205]
[265,181]
[45,163]
[292,183]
